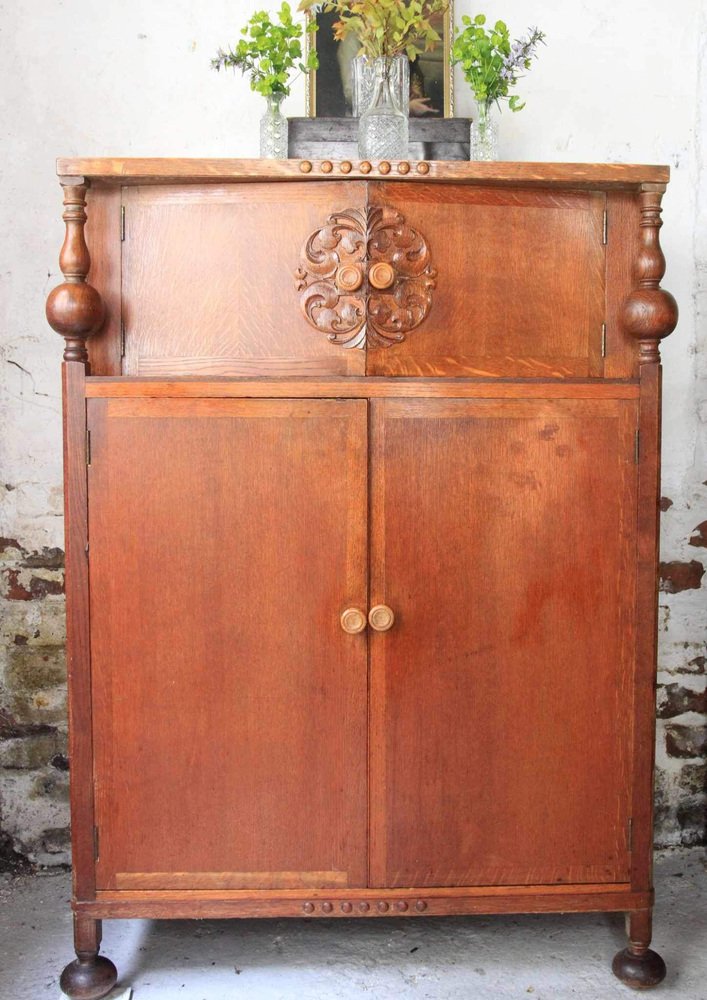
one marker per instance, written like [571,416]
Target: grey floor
[464,958]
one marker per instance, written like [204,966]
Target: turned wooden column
[75,309]
[650,313]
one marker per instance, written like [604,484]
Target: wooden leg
[91,976]
[638,966]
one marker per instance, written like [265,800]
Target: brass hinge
[95,843]
[630,835]
[605,228]
[122,223]
[122,339]
[88,447]
[86,549]
[603,340]
[637,448]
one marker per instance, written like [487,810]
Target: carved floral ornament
[366,278]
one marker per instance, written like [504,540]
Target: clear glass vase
[483,144]
[363,83]
[273,130]
[383,126]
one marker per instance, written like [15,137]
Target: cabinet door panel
[503,537]
[208,280]
[519,287]
[226,537]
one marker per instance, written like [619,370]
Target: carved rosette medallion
[366,278]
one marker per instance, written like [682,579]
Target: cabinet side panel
[622,250]
[647,617]
[103,239]
[501,699]
[78,651]
[227,538]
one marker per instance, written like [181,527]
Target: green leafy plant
[269,51]
[384,27]
[491,63]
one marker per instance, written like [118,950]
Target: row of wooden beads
[401,905]
[365,167]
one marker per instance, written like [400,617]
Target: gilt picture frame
[328,89]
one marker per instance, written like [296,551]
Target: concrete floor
[464,958]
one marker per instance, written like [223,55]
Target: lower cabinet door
[230,708]
[503,538]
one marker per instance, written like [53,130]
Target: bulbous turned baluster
[75,309]
[650,313]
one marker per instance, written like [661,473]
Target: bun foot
[88,978]
[641,970]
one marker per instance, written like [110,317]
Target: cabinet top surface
[122,170]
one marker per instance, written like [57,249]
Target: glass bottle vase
[363,82]
[273,130]
[483,138]
[383,126]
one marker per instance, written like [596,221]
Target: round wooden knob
[353,621]
[381,275]
[381,617]
[349,277]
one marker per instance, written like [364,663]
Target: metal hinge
[122,339]
[605,228]
[122,224]
[637,448]
[95,843]
[88,447]
[603,340]
[630,835]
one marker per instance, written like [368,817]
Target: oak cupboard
[362,468]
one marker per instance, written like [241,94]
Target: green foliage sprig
[491,63]
[269,51]
[384,27]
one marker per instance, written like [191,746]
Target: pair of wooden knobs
[380,618]
[349,277]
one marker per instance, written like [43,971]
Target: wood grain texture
[503,538]
[78,642]
[103,240]
[229,705]
[520,282]
[622,249]
[371,387]
[209,280]
[202,906]
[125,170]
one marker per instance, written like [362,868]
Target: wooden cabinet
[361,497]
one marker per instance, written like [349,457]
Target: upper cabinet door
[503,537]
[210,282]
[514,281]
[226,539]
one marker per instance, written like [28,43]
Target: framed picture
[329,87]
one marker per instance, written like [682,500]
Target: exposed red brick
[665,503]
[699,539]
[38,587]
[14,590]
[678,576]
